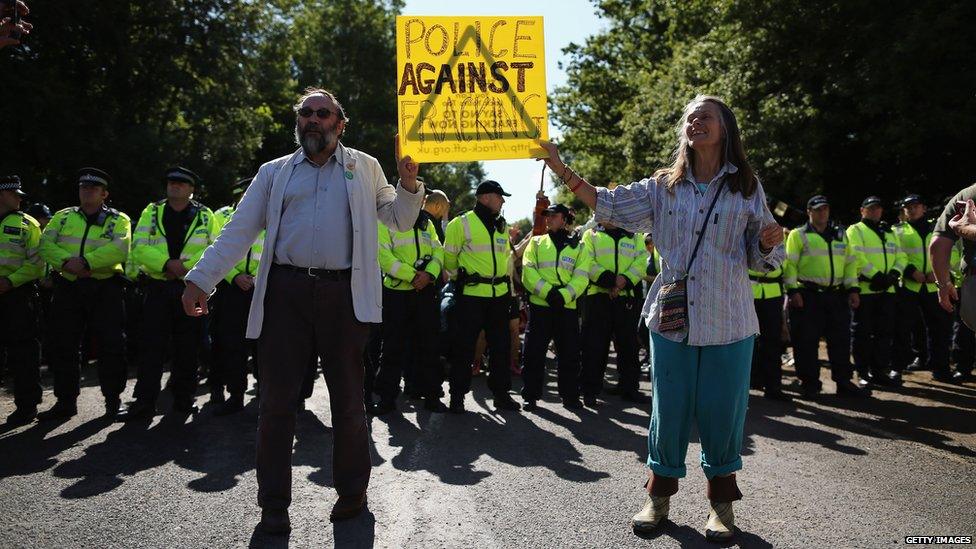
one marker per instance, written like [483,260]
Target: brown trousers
[306,316]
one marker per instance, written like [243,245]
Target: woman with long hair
[708,214]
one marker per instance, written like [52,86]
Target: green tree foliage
[133,87]
[845,98]
[458,181]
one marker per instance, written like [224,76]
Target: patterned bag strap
[701,233]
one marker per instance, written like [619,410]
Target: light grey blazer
[371,198]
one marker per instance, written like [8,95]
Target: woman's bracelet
[578,185]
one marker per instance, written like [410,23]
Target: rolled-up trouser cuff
[662,486]
[723,489]
[665,471]
[712,471]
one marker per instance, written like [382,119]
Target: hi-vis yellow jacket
[104,244]
[149,238]
[401,252]
[544,268]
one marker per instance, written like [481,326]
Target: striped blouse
[720,300]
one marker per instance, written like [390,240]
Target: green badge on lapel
[348,175]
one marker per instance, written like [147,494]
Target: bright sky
[565,21]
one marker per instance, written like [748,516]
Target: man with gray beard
[316,293]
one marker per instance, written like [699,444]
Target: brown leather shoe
[274,522]
[348,507]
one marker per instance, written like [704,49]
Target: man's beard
[314,143]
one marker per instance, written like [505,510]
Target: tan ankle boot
[650,516]
[721,522]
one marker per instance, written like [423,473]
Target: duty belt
[473,279]
[818,288]
[769,279]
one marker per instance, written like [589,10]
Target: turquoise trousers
[708,386]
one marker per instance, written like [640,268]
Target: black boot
[434,404]
[184,406]
[63,409]
[504,401]
[384,406]
[138,410]
[112,407]
[457,405]
[22,415]
[232,405]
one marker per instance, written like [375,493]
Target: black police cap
[871,201]
[556,208]
[181,174]
[11,183]
[911,199]
[39,210]
[491,187]
[560,209]
[817,201]
[93,176]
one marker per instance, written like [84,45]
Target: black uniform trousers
[909,341]
[473,314]
[547,324]
[410,335]
[872,332]
[767,364]
[19,336]
[168,330]
[90,306]
[231,348]
[824,314]
[963,341]
[605,319]
[938,328]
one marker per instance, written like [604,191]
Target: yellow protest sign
[471,88]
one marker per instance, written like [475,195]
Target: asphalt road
[826,472]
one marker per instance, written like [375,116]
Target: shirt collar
[337,154]
[727,168]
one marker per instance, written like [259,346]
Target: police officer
[411,262]
[820,275]
[168,241]
[20,265]
[920,293]
[554,273]
[45,289]
[229,322]
[618,261]
[767,367]
[86,247]
[880,263]
[476,250]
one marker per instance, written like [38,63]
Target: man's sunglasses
[324,114]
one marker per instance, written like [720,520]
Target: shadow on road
[449,445]
[686,536]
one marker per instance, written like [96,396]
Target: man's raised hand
[406,168]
